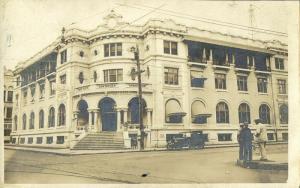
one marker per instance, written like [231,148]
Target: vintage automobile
[186,140]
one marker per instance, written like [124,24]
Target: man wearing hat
[240,141]
[261,134]
[246,137]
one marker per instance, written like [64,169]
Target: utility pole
[141,105]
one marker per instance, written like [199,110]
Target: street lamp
[138,72]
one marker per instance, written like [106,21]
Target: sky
[27,26]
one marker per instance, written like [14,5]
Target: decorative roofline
[154,25]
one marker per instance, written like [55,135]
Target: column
[248,61]
[233,59]
[75,114]
[90,126]
[119,119]
[210,55]
[125,115]
[96,120]
[149,117]
[227,60]
[100,121]
[204,55]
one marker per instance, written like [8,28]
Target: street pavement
[215,165]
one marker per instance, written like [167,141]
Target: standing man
[247,142]
[240,141]
[261,134]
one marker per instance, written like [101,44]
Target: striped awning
[174,108]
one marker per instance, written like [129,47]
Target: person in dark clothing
[246,138]
[241,144]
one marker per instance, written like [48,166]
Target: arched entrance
[108,114]
[134,111]
[83,115]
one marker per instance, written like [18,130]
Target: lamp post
[135,50]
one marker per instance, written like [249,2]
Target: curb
[56,151]
[262,165]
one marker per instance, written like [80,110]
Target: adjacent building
[8,103]
[193,80]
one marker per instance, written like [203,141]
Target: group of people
[245,139]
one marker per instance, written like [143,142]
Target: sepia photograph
[146,92]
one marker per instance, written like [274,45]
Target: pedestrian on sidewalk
[261,134]
[246,138]
[241,145]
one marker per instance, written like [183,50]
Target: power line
[206,20]
[256,28]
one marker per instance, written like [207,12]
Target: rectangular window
[285,136]
[49,140]
[220,81]
[113,75]
[242,83]
[113,49]
[52,87]
[197,79]
[225,137]
[63,56]
[279,63]
[10,96]
[262,85]
[282,86]
[8,113]
[60,140]
[4,96]
[30,140]
[270,136]
[22,141]
[39,140]
[119,49]
[170,47]
[63,79]
[171,76]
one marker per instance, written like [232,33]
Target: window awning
[174,108]
[198,110]
[202,115]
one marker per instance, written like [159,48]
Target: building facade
[8,103]
[193,80]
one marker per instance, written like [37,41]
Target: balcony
[197,62]
[112,87]
[221,65]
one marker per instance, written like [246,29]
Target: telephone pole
[141,105]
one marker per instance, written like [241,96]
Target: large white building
[8,103]
[78,92]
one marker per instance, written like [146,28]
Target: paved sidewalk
[277,146]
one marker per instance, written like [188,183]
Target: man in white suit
[261,135]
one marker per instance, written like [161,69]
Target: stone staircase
[101,141]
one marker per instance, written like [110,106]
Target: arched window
[24,118]
[174,112]
[16,122]
[31,121]
[244,113]
[264,114]
[61,115]
[41,119]
[284,114]
[83,114]
[134,110]
[198,113]
[51,117]
[222,113]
